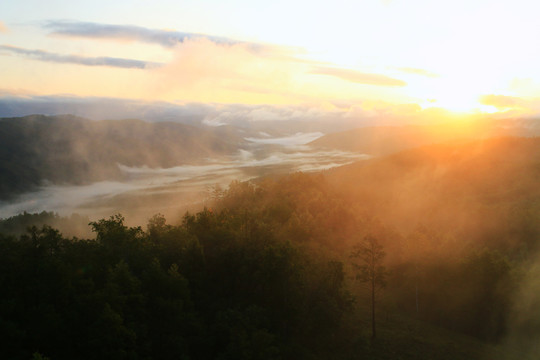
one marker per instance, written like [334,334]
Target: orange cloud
[503,101]
[417,71]
[512,106]
[357,76]
[202,70]
[16,92]
[3,28]
[205,71]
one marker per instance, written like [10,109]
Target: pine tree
[368,257]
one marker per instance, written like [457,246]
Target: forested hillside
[73,225]
[70,150]
[273,269]
[252,280]
[485,190]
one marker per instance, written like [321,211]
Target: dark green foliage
[367,260]
[91,299]
[260,275]
[74,225]
[472,295]
[220,286]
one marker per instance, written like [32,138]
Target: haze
[373,58]
[269,180]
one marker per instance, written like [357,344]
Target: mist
[280,180]
[524,321]
[175,189]
[456,216]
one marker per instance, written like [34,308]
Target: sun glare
[459,98]
[462,106]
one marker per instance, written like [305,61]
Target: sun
[461,100]
[464,106]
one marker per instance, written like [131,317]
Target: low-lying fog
[172,191]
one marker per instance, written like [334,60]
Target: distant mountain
[274,120]
[487,187]
[385,140]
[72,150]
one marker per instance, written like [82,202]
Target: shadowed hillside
[71,150]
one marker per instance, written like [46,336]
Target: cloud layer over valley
[170,190]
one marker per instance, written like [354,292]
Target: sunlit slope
[385,140]
[485,189]
[71,150]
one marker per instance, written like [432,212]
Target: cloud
[46,56]
[21,103]
[357,76]
[513,106]
[416,71]
[15,92]
[164,38]
[292,140]
[202,70]
[3,27]
[253,118]
[503,101]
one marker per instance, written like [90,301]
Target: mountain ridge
[450,186]
[67,149]
[385,140]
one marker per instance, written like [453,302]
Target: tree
[369,255]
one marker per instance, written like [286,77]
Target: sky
[414,59]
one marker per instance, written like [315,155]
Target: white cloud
[296,139]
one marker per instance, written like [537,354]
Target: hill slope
[487,187]
[71,150]
[385,140]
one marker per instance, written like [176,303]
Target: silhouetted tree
[368,257]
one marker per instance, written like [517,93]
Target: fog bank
[172,190]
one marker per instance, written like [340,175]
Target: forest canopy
[265,270]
